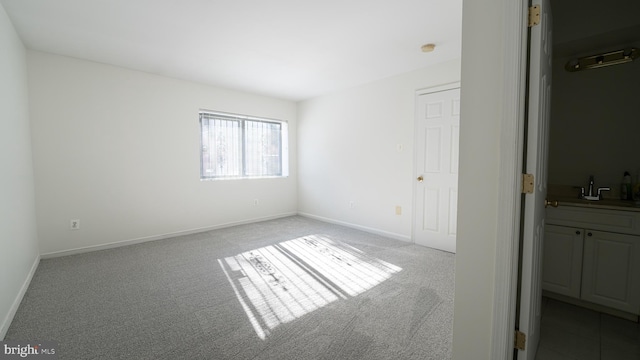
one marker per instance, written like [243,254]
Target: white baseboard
[158,237]
[6,322]
[359,227]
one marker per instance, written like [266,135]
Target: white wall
[349,151]
[18,235]
[582,19]
[594,113]
[481,99]
[594,125]
[119,150]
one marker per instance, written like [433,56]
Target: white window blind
[237,146]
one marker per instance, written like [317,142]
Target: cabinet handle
[577,232]
[589,234]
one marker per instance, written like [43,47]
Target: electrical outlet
[74,224]
[398,210]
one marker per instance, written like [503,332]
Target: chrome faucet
[590,194]
[590,191]
[600,190]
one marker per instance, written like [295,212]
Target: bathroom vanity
[591,255]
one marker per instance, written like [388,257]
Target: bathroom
[595,113]
[591,261]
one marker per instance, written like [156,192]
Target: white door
[437,133]
[536,164]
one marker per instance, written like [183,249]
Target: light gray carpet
[291,288]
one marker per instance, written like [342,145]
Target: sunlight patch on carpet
[279,283]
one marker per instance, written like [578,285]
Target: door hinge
[520,340]
[534,15]
[527,183]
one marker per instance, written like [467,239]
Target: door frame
[420,92]
[511,165]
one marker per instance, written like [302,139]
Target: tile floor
[572,332]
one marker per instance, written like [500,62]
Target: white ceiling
[290,49]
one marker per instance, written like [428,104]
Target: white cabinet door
[562,260]
[611,270]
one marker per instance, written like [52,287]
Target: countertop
[610,204]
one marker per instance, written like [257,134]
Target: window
[238,146]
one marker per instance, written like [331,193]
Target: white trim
[6,322]
[159,237]
[509,200]
[233,116]
[358,227]
[438,88]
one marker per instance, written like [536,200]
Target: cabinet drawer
[623,222]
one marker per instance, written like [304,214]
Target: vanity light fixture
[602,60]
[428,47]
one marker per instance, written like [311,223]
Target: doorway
[583,103]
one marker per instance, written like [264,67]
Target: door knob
[420,178]
[553,203]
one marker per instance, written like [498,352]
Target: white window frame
[239,147]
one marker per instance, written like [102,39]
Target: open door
[537,135]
